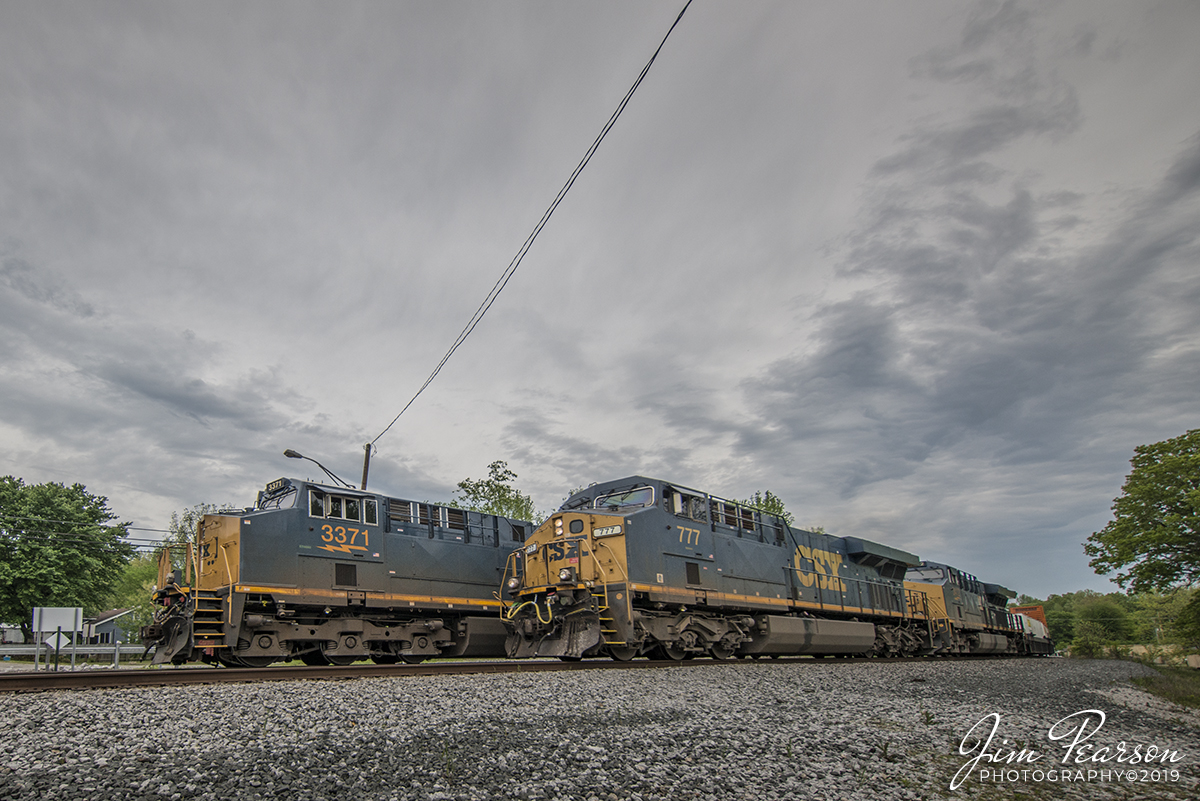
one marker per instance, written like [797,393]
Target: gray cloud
[928,272]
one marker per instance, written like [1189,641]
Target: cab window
[626,499]
[364,510]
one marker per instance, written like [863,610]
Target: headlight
[566,574]
[514,583]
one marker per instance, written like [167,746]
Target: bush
[1090,640]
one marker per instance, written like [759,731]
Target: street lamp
[291,454]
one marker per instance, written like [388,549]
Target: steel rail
[31,681]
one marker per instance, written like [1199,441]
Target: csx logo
[825,568]
[562,550]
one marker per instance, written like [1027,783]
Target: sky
[929,270]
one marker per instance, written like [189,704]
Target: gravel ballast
[747,730]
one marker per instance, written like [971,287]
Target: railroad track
[30,681]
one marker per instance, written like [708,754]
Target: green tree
[1109,618]
[1153,540]
[1090,640]
[1185,628]
[1155,614]
[1061,613]
[770,503]
[1061,624]
[55,549]
[133,591]
[182,530]
[495,495]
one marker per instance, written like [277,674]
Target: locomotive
[643,567]
[331,575]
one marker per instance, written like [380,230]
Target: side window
[689,506]
[316,503]
[518,533]
[353,509]
[372,513]
[335,506]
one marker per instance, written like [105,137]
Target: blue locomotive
[644,567]
[330,575]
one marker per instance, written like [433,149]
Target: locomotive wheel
[340,660]
[253,661]
[314,658]
[720,652]
[412,659]
[664,652]
[622,654]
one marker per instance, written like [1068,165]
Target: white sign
[52,618]
[56,641]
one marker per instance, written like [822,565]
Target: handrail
[595,542]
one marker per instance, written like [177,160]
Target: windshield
[626,499]
[930,574]
[280,494]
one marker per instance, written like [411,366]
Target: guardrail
[81,651]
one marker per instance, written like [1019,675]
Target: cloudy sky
[929,270]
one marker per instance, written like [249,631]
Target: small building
[10,635]
[103,629]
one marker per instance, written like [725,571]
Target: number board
[341,539]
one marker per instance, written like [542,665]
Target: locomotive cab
[568,577]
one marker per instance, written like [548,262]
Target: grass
[1177,685]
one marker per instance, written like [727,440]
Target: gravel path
[757,731]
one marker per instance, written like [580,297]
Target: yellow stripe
[382,596]
[273,590]
[734,598]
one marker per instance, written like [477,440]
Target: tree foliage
[770,503]
[1090,621]
[182,530]
[1185,627]
[1110,620]
[55,549]
[183,524]
[1153,540]
[133,590]
[495,495]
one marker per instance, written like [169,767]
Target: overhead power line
[505,276]
[83,524]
